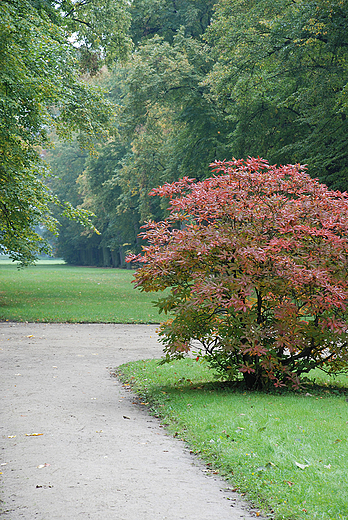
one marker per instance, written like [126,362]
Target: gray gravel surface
[96,455]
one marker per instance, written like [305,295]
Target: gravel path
[74,445]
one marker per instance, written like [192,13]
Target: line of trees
[185,82]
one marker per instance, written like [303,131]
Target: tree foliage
[207,82]
[281,77]
[40,89]
[256,261]
[99,28]
[165,128]
[165,17]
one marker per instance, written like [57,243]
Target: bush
[256,261]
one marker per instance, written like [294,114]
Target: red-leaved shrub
[256,261]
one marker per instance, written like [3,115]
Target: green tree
[163,130]
[67,161]
[172,128]
[168,77]
[167,128]
[281,78]
[117,222]
[39,90]
[99,28]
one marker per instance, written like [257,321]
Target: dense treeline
[236,79]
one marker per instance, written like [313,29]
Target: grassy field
[287,452]
[54,292]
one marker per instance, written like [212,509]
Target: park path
[98,456]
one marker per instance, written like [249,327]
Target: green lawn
[54,292]
[287,452]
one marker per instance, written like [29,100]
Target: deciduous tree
[280,75]
[40,89]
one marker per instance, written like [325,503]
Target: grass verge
[286,452]
[52,292]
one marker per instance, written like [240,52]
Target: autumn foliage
[256,261]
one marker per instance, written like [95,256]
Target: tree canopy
[40,89]
[165,17]
[280,75]
[186,83]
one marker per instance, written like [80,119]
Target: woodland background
[196,81]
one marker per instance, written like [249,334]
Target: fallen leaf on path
[33,434]
[30,336]
[40,466]
[11,436]
[125,417]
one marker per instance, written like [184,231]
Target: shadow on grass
[161,392]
